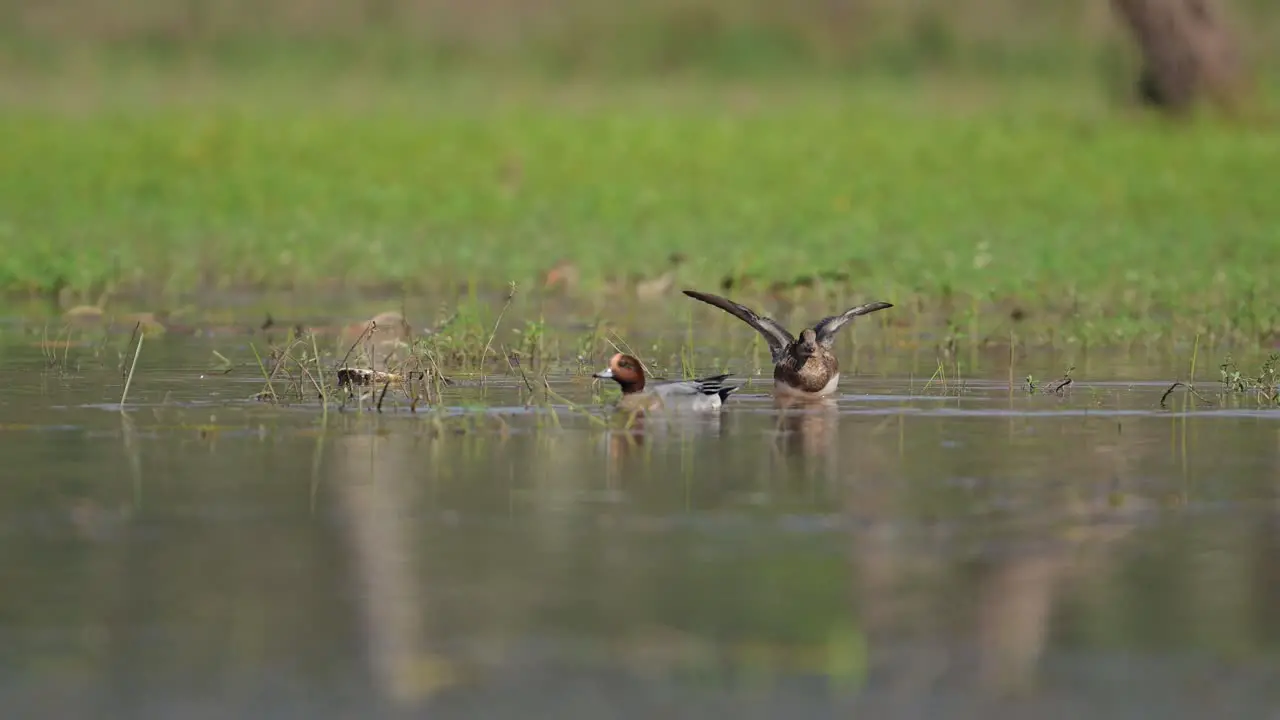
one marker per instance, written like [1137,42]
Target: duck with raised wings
[803,366]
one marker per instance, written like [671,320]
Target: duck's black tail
[715,385]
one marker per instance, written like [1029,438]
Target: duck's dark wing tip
[777,336]
[827,327]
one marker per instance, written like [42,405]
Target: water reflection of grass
[1032,213]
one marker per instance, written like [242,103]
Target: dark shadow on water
[891,553]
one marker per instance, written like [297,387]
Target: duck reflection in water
[807,427]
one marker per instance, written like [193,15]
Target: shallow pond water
[903,553]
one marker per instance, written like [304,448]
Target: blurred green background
[991,39]
[978,157]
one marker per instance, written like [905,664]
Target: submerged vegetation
[389,362]
[1263,385]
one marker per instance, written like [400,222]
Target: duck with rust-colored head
[707,393]
[803,366]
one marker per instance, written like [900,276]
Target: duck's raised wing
[827,327]
[774,334]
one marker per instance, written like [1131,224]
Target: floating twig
[1190,389]
[511,293]
[515,364]
[383,394]
[368,331]
[132,337]
[128,380]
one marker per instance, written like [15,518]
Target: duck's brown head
[626,371]
[806,346]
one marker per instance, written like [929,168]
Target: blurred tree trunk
[1188,52]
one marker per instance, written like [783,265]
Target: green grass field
[1018,196]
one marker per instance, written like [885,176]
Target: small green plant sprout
[1265,385]
[532,342]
